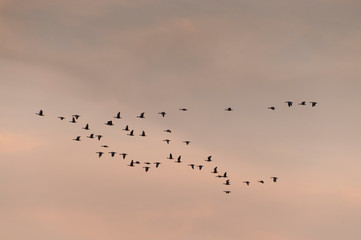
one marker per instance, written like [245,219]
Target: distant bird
[104,146]
[40,113]
[274,179]
[166,140]
[86,127]
[112,154]
[168,131]
[183,109]
[261,181]
[289,103]
[147,163]
[162,113]
[118,116]
[228,109]
[141,115]
[227,192]
[179,159]
[247,182]
[91,136]
[143,134]
[191,165]
[187,142]
[76,116]
[170,156]
[131,164]
[219,176]
[123,155]
[131,133]
[99,154]
[157,164]
[215,170]
[77,138]
[99,137]
[109,123]
[209,158]
[200,167]
[313,104]
[302,103]
[126,128]
[272,108]
[73,120]
[137,162]
[225,175]
[146,169]
[61,118]
[227,182]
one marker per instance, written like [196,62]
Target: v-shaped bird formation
[178,160]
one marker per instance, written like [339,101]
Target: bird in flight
[246,182]
[162,113]
[215,170]
[146,169]
[272,108]
[289,103]
[261,181]
[208,159]
[227,192]
[109,123]
[118,116]
[77,138]
[166,140]
[91,136]
[99,154]
[187,142]
[123,155]
[86,127]
[99,137]
[137,162]
[131,133]
[126,128]
[191,165]
[167,130]
[143,134]
[112,154]
[141,115]
[170,156]
[179,159]
[225,175]
[183,109]
[227,182]
[157,164]
[61,118]
[274,179]
[313,104]
[40,113]
[147,163]
[76,116]
[228,109]
[104,146]
[200,167]
[73,120]
[131,164]
[302,103]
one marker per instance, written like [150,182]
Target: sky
[97,58]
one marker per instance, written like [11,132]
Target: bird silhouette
[228,109]
[40,113]
[227,192]
[191,165]
[73,120]
[123,155]
[118,116]
[109,123]
[77,138]
[162,113]
[147,163]
[104,146]
[170,156]
[167,130]
[261,181]
[76,116]
[146,169]
[227,182]
[225,175]
[302,103]
[143,134]
[131,133]
[313,104]
[215,170]
[187,142]
[137,162]
[91,136]
[274,179]
[141,115]
[99,137]
[179,159]
[112,154]
[166,140]
[200,167]
[99,154]
[131,164]
[183,109]
[272,108]
[126,128]
[289,103]
[61,118]
[86,127]
[209,158]
[157,164]
[247,182]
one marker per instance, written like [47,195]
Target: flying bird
[225,175]
[247,182]
[86,127]
[183,109]
[143,134]
[208,159]
[215,170]
[99,137]
[91,136]
[289,103]
[261,181]
[162,113]
[170,156]
[104,146]
[274,179]
[141,115]
[302,103]
[109,123]
[123,155]
[77,138]
[167,130]
[76,116]
[227,182]
[313,104]
[147,163]
[131,133]
[40,113]
[146,169]
[187,142]
[73,120]
[200,167]
[227,192]
[118,116]
[191,165]
[61,118]
[137,162]
[272,108]
[179,159]
[228,109]
[99,154]
[112,154]
[157,164]
[126,128]
[131,164]
[166,140]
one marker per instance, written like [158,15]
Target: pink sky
[96,59]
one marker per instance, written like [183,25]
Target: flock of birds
[147,165]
